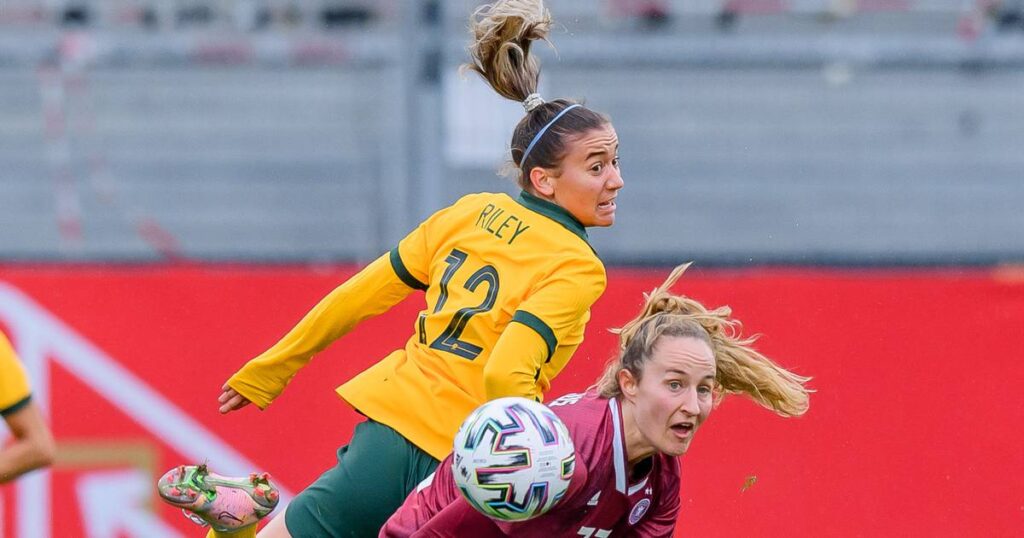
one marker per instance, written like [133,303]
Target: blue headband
[541,132]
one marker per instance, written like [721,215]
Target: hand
[230,400]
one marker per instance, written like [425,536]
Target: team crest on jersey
[638,511]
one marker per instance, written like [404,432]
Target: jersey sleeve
[376,288]
[457,520]
[548,322]
[454,520]
[436,509]
[565,350]
[412,257]
[15,392]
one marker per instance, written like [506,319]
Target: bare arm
[33,446]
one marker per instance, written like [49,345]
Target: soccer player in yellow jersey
[32,446]
[509,282]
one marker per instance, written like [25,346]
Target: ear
[542,182]
[627,383]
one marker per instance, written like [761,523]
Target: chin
[676,450]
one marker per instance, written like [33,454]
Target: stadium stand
[862,132]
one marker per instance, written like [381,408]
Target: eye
[674,385]
[704,389]
[596,168]
[615,161]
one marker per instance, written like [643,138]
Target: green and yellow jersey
[14,389]
[509,284]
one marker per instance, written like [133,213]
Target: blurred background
[180,180]
[753,131]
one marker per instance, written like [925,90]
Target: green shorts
[374,474]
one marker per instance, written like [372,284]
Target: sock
[248,532]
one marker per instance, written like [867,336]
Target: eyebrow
[600,152]
[680,372]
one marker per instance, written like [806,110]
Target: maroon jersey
[602,500]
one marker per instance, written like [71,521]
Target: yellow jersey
[509,284]
[14,389]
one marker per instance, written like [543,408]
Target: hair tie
[532,101]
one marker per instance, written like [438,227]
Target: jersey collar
[554,212]
[619,462]
[618,445]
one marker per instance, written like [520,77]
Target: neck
[536,194]
[637,447]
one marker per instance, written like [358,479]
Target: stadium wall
[914,430]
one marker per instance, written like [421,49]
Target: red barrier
[914,431]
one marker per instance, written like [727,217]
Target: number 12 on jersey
[449,339]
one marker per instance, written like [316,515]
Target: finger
[236,402]
[230,404]
[226,395]
[226,408]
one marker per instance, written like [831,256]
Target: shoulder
[585,415]
[15,391]
[468,203]
[477,200]
[9,364]
[588,402]
[466,210]
[581,262]
[577,276]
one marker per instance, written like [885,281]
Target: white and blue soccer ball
[513,459]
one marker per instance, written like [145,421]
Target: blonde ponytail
[500,52]
[740,369]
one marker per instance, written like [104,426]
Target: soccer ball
[513,459]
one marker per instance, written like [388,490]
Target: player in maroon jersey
[676,361]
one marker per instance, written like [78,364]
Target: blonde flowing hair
[740,369]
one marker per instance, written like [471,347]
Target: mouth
[683,429]
[607,205]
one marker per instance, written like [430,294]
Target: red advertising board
[915,429]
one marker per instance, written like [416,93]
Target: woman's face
[588,178]
[672,398]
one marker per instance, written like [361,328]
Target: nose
[690,403]
[614,182]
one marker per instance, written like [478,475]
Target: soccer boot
[226,504]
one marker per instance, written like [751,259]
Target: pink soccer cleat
[226,504]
